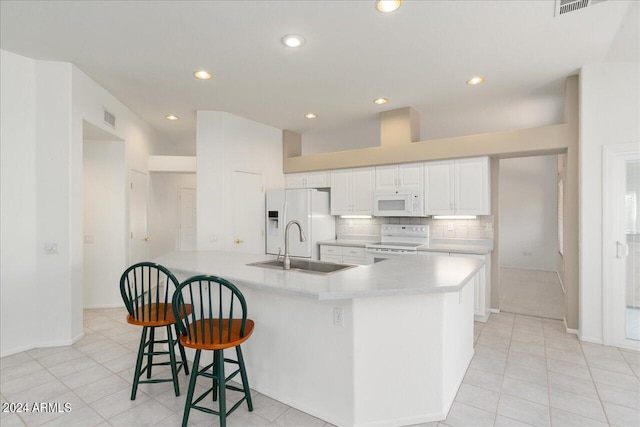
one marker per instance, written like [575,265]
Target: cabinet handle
[238,241]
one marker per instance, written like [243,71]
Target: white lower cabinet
[482,284]
[344,254]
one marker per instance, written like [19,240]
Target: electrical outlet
[338,316]
[450,226]
[88,238]
[213,238]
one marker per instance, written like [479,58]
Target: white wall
[44,105]
[528,212]
[105,221]
[164,210]
[89,102]
[18,196]
[36,111]
[225,143]
[609,112]
[359,134]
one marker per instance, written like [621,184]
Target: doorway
[138,227]
[530,283]
[621,239]
[104,217]
[187,219]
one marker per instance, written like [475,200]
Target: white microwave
[397,204]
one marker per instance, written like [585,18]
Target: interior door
[187,218]
[622,248]
[248,212]
[138,202]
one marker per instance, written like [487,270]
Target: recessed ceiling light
[293,40]
[310,116]
[476,81]
[172,117]
[380,101]
[388,6]
[202,75]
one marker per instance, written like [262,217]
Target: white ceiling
[145,52]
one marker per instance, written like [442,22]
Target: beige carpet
[531,292]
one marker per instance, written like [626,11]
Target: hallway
[531,292]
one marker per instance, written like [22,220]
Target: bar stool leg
[222,387]
[136,375]
[215,377]
[192,386]
[172,358]
[245,381]
[150,354]
[185,365]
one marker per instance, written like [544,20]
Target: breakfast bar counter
[385,344]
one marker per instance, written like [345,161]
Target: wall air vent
[109,119]
[566,6]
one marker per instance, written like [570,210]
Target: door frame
[129,204]
[180,217]
[610,154]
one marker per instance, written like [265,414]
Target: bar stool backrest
[145,291]
[214,301]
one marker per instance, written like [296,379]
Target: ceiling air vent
[566,6]
[109,119]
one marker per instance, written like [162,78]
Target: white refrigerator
[311,209]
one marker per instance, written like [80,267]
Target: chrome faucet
[286,262]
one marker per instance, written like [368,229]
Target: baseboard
[494,310]
[590,340]
[119,305]
[568,330]
[481,319]
[561,284]
[529,268]
[62,343]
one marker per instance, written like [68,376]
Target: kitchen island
[385,344]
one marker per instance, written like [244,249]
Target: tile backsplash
[480,228]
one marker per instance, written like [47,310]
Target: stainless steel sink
[305,266]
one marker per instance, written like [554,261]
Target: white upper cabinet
[472,186]
[318,179]
[352,191]
[438,180]
[457,187]
[400,177]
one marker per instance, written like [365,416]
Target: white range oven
[397,240]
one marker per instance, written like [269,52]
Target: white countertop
[436,244]
[399,276]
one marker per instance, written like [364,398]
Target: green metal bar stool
[211,325]
[145,292]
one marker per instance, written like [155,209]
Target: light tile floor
[526,371]
[531,292]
